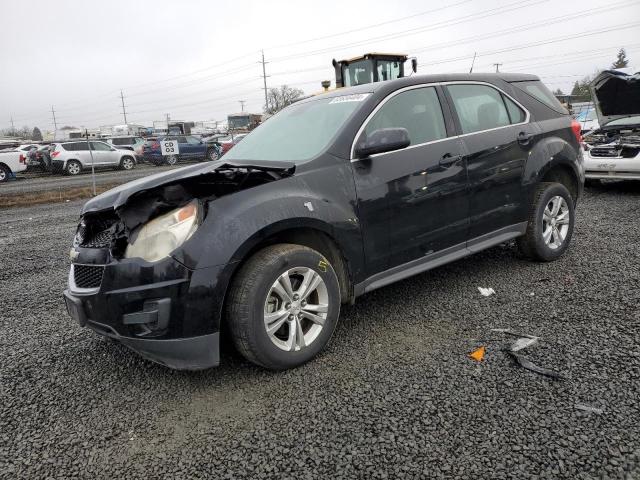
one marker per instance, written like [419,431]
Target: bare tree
[36,134]
[281,97]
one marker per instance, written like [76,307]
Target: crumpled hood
[118,196]
[616,95]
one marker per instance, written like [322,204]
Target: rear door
[83,154]
[412,202]
[185,149]
[497,138]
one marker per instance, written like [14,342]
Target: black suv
[335,196]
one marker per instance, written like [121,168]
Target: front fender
[236,223]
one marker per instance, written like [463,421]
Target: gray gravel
[394,396]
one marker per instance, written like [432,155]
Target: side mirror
[382,140]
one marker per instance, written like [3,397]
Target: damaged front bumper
[163,310]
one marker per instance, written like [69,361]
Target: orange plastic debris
[478,355]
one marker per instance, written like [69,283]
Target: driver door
[412,202]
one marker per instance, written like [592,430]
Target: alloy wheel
[172,160]
[127,164]
[555,222]
[73,168]
[3,175]
[296,308]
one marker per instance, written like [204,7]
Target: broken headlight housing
[157,238]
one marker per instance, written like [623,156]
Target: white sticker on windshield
[354,97]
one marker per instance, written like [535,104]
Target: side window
[69,147]
[193,140]
[418,110]
[99,146]
[516,114]
[182,140]
[479,107]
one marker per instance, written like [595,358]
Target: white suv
[72,157]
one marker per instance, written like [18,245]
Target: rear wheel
[550,225]
[73,167]
[4,173]
[127,163]
[283,306]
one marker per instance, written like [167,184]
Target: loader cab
[371,67]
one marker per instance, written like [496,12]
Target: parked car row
[73,156]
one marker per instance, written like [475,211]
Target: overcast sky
[196,59]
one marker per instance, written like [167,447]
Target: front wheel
[171,159]
[550,225]
[213,154]
[127,163]
[283,306]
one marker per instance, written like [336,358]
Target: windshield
[357,73]
[299,132]
[627,121]
[586,115]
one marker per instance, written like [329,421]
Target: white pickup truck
[11,162]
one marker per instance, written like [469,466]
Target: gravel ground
[394,396]
[29,182]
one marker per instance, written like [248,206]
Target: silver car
[74,156]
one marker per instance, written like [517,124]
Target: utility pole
[55,124]
[167,115]
[497,67]
[242,102]
[473,62]
[124,111]
[13,127]
[264,79]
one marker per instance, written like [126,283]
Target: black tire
[212,154]
[171,159]
[5,173]
[73,167]
[127,163]
[532,244]
[245,305]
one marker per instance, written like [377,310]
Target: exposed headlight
[157,238]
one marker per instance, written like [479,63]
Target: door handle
[524,138]
[447,159]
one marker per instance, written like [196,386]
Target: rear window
[76,146]
[540,92]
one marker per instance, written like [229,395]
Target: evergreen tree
[621,60]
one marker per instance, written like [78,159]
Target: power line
[368,27]
[264,79]
[124,111]
[434,26]
[55,123]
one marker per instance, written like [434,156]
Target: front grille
[99,240]
[606,152]
[87,276]
[95,231]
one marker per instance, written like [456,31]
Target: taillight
[54,154]
[22,159]
[577,130]
[155,145]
